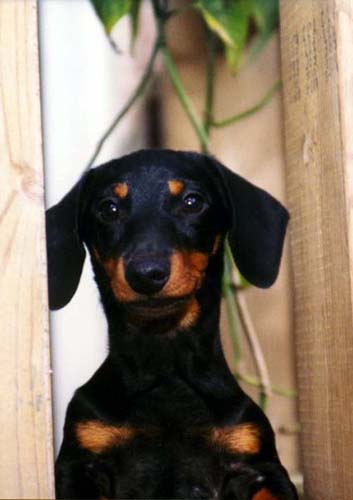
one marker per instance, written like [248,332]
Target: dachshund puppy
[163,416]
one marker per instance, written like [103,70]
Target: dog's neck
[144,358]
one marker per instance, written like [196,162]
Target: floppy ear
[257,228]
[66,253]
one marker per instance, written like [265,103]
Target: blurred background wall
[84,84]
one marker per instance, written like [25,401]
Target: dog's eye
[108,210]
[193,203]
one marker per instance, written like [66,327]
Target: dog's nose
[147,276]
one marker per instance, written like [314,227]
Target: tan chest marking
[175,187]
[97,437]
[264,494]
[242,438]
[121,190]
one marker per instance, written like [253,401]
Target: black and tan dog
[163,416]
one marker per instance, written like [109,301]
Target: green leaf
[257,45]
[230,20]
[134,18]
[111,11]
[266,15]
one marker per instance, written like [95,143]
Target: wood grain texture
[26,450]
[317,71]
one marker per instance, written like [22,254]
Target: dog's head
[153,221]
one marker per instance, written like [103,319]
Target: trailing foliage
[231,20]
[111,11]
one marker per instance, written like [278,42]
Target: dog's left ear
[257,227]
[65,250]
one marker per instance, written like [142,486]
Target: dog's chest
[145,460]
[172,405]
[170,415]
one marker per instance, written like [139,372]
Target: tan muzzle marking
[187,271]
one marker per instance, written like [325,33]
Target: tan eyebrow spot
[175,187]
[121,190]
[242,438]
[96,436]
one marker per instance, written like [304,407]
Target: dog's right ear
[257,227]
[65,250]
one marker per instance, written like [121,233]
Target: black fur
[165,379]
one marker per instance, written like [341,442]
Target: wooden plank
[317,71]
[26,450]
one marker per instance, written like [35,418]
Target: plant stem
[255,347]
[228,291]
[261,104]
[138,92]
[210,77]
[159,10]
[255,382]
[250,334]
[183,97]
[228,294]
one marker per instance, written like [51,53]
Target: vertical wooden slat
[317,72]
[26,450]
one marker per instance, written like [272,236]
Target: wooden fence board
[317,71]
[26,448]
